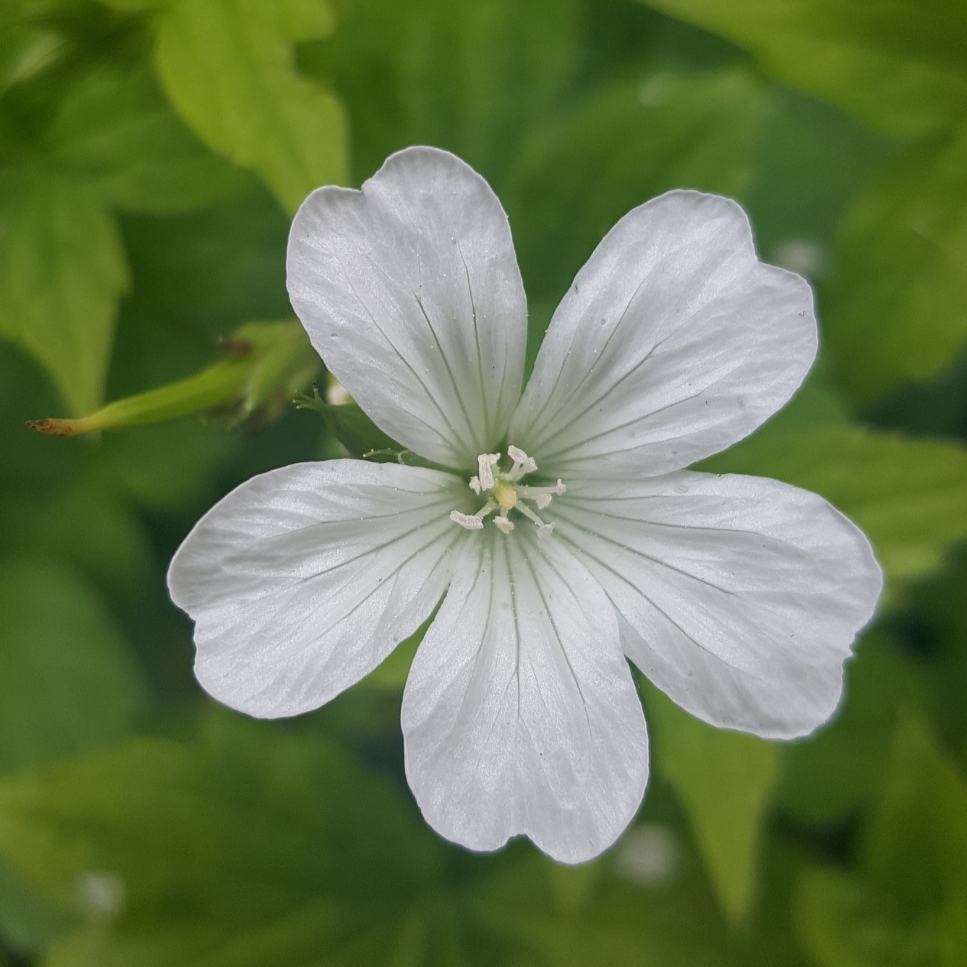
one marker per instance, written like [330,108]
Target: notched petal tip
[520,716]
[674,342]
[410,291]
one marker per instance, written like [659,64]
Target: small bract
[565,538]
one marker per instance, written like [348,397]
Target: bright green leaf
[626,144]
[908,495]
[894,307]
[67,681]
[899,66]
[116,132]
[724,780]
[62,269]
[227,67]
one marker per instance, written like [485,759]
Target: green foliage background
[151,154]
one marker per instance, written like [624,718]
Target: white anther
[475,484]
[485,467]
[470,521]
[473,522]
[523,464]
[503,524]
[542,495]
[545,530]
[542,529]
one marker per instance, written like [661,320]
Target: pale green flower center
[503,492]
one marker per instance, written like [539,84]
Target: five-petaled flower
[565,537]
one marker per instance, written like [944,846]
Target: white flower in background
[565,538]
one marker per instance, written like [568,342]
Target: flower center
[503,492]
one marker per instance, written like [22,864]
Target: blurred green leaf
[168,466]
[916,846]
[227,67]
[724,780]
[62,269]
[242,847]
[587,917]
[899,65]
[478,74]
[115,131]
[471,77]
[840,768]
[28,921]
[843,924]
[197,277]
[912,875]
[909,495]
[82,522]
[895,302]
[953,932]
[67,681]
[626,144]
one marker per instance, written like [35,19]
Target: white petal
[673,343]
[410,292]
[738,596]
[303,579]
[520,714]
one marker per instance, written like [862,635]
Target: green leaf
[908,495]
[724,780]
[840,768]
[116,132]
[62,269]
[628,143]
[83,522]
[894,307]
[356,431]
[912,877]
[245,846]
[169,466]
[899,66]
[67,681]
[477,75]
[916,846]
[953,932]
[843,924]
[227,67]
[472,77]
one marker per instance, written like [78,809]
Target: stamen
[485,466]
[543,529]
[502,522]
[473,522]
[541,495]
[503,493]
[523,464]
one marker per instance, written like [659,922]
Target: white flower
[566,538]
